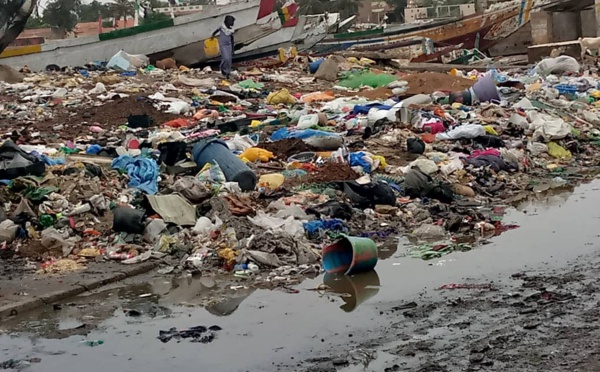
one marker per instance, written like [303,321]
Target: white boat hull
[187,30]
[306,34]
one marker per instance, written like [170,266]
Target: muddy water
[262,329]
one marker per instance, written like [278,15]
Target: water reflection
[354,289]
[544,201]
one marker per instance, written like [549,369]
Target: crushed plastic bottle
[92,343]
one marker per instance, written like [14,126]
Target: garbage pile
[261,176]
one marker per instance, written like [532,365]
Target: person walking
[226,44]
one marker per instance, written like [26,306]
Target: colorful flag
[287,12]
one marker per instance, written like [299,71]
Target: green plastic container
[350,255]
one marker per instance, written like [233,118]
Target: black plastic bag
[415,146]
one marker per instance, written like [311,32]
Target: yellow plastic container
[211,47]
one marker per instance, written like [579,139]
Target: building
[373,11]
[414,12]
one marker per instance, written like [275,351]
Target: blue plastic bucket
[235,170]
[350,255]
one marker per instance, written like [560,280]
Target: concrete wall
[588,23]
[566,26]
[541,27]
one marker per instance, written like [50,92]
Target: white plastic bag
[127,62]
[558,65]
[98,89]
[454,165]
[425,165]
[548,127]
[308,121]
[464,131]
[275,224]
[178,108]
[537,148]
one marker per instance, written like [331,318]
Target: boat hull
[479,31]
[185,30]
[305,35]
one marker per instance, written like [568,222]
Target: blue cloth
[52,161]
[357,158]
[284,133]
[93,149]
[142,172]
[364,109]
[226,48]
[314,227]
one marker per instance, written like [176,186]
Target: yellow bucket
[211,47]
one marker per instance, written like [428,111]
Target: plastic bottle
[92,343]
[46,220]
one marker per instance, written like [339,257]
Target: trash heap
[261,176]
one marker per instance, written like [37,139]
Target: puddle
[263,328]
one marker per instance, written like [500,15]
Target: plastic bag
[558,65]
[317,96]
[425,165]
[288,225]
[328,70]
[548,127]
[370,79]
[308,121]
[205,226]
[177,107]
[451,167]
[8,231]
[464,131]
[251,84]
[98,89]
[53,239]
[127,62]
[240,143]
[154,229]
[281,97]
[558,152]
[537,148]
[211,173]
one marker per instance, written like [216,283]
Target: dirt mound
[75,121]
[429,82]
[285,148]
[113,112]
[330,172]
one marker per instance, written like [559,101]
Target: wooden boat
[157,40]
[479,31]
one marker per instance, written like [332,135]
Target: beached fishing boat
[254,20]
[479,31]
[302,33]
